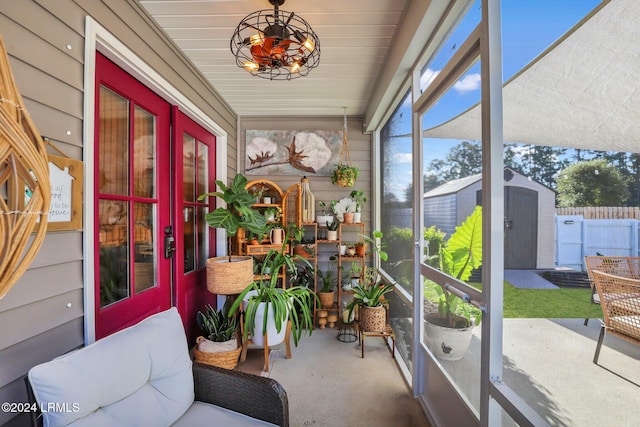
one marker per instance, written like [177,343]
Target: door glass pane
[189,239]
[144,140]
[114,143]
[203,169]
[203,241]
[189,168]
[114,251]
[145,249]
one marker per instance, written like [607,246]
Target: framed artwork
[292,152]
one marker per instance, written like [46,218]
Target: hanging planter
[345,173]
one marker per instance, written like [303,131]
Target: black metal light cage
[275,44]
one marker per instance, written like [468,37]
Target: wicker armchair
[143,376]
[252,395]
[625,266]
[620,302]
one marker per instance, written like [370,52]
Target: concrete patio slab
[527,279]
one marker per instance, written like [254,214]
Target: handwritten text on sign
[61,182]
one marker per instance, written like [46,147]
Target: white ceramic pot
[343,249]
[447,343]
[322,220]
[273,336]
[357,217]
[332,235]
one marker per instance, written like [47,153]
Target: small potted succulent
[325,217]
[332,230]
[359,197]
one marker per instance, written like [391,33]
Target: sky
[528,28]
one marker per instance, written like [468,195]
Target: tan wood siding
[50,76]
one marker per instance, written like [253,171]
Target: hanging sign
[65,176]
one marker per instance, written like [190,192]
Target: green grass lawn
[548,303]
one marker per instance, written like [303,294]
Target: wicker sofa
[144,376]
[616,281]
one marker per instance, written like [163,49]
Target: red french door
[194,153]
[132,200]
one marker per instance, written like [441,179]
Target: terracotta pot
[373,319]
[348,217]
[361,249]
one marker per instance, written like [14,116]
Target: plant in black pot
[459,256]
[229,275]
[218,345]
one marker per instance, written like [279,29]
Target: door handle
[169,242]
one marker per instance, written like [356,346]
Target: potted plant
[325,217]
[229,275]
[369,300]
[326,292]
[448,331]
[359,198]
[218,345]
[267,308]
[332,230]
[345,175]
[342,206]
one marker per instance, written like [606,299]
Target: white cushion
[629,325]
[140,376]
[216,416]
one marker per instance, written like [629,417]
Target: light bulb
[295,67]
[308,43]
[256,39]
[250,66]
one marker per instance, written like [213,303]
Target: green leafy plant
[282,302]
[238,213]
[333,226]
[217,325]
[328,279]
[359,197]
[461,254]
[345,175]
[376,243]
[368,295]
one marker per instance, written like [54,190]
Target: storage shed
[529,215]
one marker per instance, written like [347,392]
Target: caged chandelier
[275,44]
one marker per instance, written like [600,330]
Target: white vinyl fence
[577,237]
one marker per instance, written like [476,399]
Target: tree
[591,183]
[462,160]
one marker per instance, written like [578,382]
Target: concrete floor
[548,362]
[328,383]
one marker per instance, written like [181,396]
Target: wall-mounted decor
[292,152]
[23,172]
[65,176]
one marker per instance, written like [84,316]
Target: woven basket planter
[373,319]
[345,181]
[226,359]
[326,299]
[229,278]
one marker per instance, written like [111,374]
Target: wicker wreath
[24,177]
